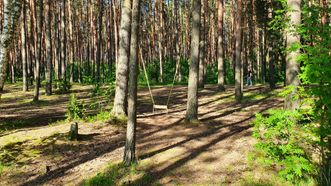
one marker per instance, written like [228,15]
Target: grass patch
[40,103]
[257,96]
[14,124]
[17,153]
[268,178]
[3,168]
[258,174]
[119,174]
[6,126]
[102,116]
[118,120]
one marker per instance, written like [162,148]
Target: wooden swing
[156,106]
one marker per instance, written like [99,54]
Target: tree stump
[73,133]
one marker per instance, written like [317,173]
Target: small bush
[63,86]
[102,116]
[2,167]
[110,91]
[76,110]
[282,143]
[97,91]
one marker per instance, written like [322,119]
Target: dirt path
[212,152]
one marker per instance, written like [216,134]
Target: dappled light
[163,139]
[155,92]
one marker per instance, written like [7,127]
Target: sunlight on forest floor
[212,152]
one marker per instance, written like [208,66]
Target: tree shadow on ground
[94,145]
[31,115]
[235,129]
[88,147]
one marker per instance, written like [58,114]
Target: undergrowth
[284,144]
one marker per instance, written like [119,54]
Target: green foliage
[76,109]
[211,75]
[229,74]
[102,116]
[169,69]
[3,167]
[88,79]
[118,120]
[312,126]
[110,91]
[97,91]
[107,92]
[282,143]
[63,86]
[315,74]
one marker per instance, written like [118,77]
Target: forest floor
[34,149]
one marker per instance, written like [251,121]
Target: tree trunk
[130,145]
[48,50]
[57,45]
[238,66]
[63,43]
[272,59]
[115,31]
[99,40]
[5,35]
[160,38]
[24,49]
[40,50]
[292,66]
[71,43]
[12,67]
[220,46]
[122,66]
[192,98]
[271,50]
[202,46]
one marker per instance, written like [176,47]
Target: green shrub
[97,91]
[282,143]
[88,79]
[229,72]
[64,86]
[76,109]
[110,91]
[103,116]
[169,70]
[211,75]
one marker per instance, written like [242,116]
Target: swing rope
[146,76]
[148,84]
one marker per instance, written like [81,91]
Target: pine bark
[63,43]
[24,49]
[40,50]
[130,145]
[203,46]
[238,62]
[4,47]
[98,57]
[292,66]
[123,60]
[220,46]
[192,98]
[49,53]
[71,42]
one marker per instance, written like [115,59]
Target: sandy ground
[211,152]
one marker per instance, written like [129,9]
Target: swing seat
[160,107]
